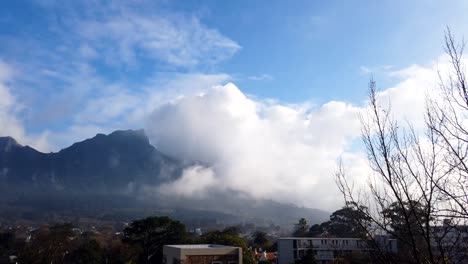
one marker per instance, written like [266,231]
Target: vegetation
[301,229]
[151,234]
[348,221]
[418,190]
[141,242]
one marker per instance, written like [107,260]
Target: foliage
[301,229]
[119,252]
[405,223]
[232,230]
[90,252]
[225,237]
[219,237]
[151,234]
[260,240]
[349,221]
[49,245]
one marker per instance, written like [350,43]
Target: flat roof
[201,246]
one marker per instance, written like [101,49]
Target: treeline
[140,242]
[347,222]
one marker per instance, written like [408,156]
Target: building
[202,254]
[453,239]
[264,256]
[327,249]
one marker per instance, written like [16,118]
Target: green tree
[89,252]
[118,253]
[260,240]
[405,223]
[232,230]
[318,230]
[301,229]
[49,245]
[225,238]
[151,234]
[349,221]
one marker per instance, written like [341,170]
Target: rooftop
[199,246]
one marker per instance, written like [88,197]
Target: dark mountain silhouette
[97,164]
[111,175]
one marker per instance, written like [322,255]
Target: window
[301,253]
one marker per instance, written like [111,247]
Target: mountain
[103,162]
[117,176]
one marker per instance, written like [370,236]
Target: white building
[201,253]
[326,249]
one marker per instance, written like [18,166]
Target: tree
[118,252]
[260,240]
[49,245]
[418,181]
[446,117]
[7,242]
[226,238]
[301,228]
[89,252]
[318,230]
[151,234]
[232,230]
[348,221]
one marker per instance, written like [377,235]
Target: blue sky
[289,51]
[293,52]
[293,76]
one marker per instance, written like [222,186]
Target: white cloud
[10,124]
[115,106]
[177,40]
[271,151]
[195,182]
[365,70]
[261,77]
[415,83]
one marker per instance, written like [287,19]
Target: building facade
[202,254]
[325,250]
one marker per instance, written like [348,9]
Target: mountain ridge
[122,165]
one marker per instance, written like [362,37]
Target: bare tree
[447,118]
[418,190]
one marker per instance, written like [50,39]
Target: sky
[264,91]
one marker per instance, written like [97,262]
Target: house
[326,250]
[264,256]
[201,254]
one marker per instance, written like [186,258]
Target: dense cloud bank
[260,149]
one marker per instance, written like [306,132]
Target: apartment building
[202,254]
[326,249]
